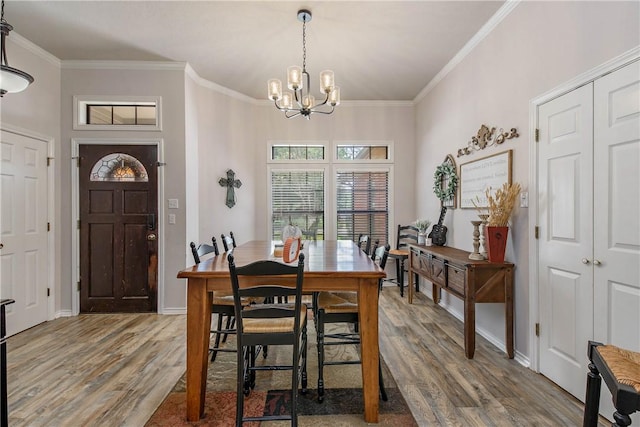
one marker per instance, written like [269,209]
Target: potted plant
[500,206]
[422,225]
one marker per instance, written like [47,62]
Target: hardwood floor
[110,370]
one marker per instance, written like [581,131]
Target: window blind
[363,205]
[297,197]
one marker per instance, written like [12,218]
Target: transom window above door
[117,113]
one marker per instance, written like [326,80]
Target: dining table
[330,265]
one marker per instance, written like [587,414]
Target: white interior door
[617,213]
[565,175]
[23,230]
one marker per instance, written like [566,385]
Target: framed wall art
[478,175]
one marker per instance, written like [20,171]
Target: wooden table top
[341,258]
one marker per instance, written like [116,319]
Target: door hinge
[537,135]
[536,232]
[78,225]
[158,164]
[537,329]
[49,161]
[48,226]
[79,286]
[78,161]
[48,292]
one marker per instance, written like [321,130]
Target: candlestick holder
[476,241]
[483,226]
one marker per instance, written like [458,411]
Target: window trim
[382,143]
[271,144]
[80,103]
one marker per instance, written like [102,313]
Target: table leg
[368,318]
[435,293]
[198,320]
[410,298]
[469,327]
[508,305]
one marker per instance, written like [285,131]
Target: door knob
[596,262]
[585,261]
[1,246]
[151,237]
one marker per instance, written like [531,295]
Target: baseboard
[174,310]
[518,357]
[63,313]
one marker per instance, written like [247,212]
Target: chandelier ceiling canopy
[298,81]
[11,79]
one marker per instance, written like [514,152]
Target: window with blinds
[362,200]
[297,197]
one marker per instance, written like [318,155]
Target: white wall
[537,47]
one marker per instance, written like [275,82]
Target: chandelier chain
[304,45]
[2,14]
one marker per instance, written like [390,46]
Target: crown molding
[216,87]
[123,65]
[34,49]
[483,32]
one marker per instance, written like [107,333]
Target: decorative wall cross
[230,182]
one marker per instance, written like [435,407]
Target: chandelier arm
[323,112]
[291,116]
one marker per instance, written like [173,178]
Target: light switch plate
[173,203]
[172,218]
[524,199]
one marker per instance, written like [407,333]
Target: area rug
[343,404]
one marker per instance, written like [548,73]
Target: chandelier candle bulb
[275,89]
[294,77]
[326,81]
[334,96]
[287,101]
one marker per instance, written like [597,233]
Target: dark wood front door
[118,228]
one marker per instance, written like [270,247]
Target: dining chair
[407,234]
[269,324]
[342,307]
[620,370]
[222,305]
[228,242]
[364,243]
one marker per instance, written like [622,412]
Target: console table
[470,280]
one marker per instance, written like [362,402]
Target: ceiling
[378,50]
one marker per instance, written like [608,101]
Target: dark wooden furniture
[269,324]
[342,307]
[364,243]
[4,408]
[407,235]
[472,281]
[329,266]
[228,242]
[222,303]
[620,370]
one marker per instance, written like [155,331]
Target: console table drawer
[421,263]
[455,279]
[438,272]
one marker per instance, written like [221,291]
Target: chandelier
[11,79]
[298,82]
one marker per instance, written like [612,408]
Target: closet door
[617,208]
[565,204]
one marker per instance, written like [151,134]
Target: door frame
[51,216]
[566,87]
[75,211]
